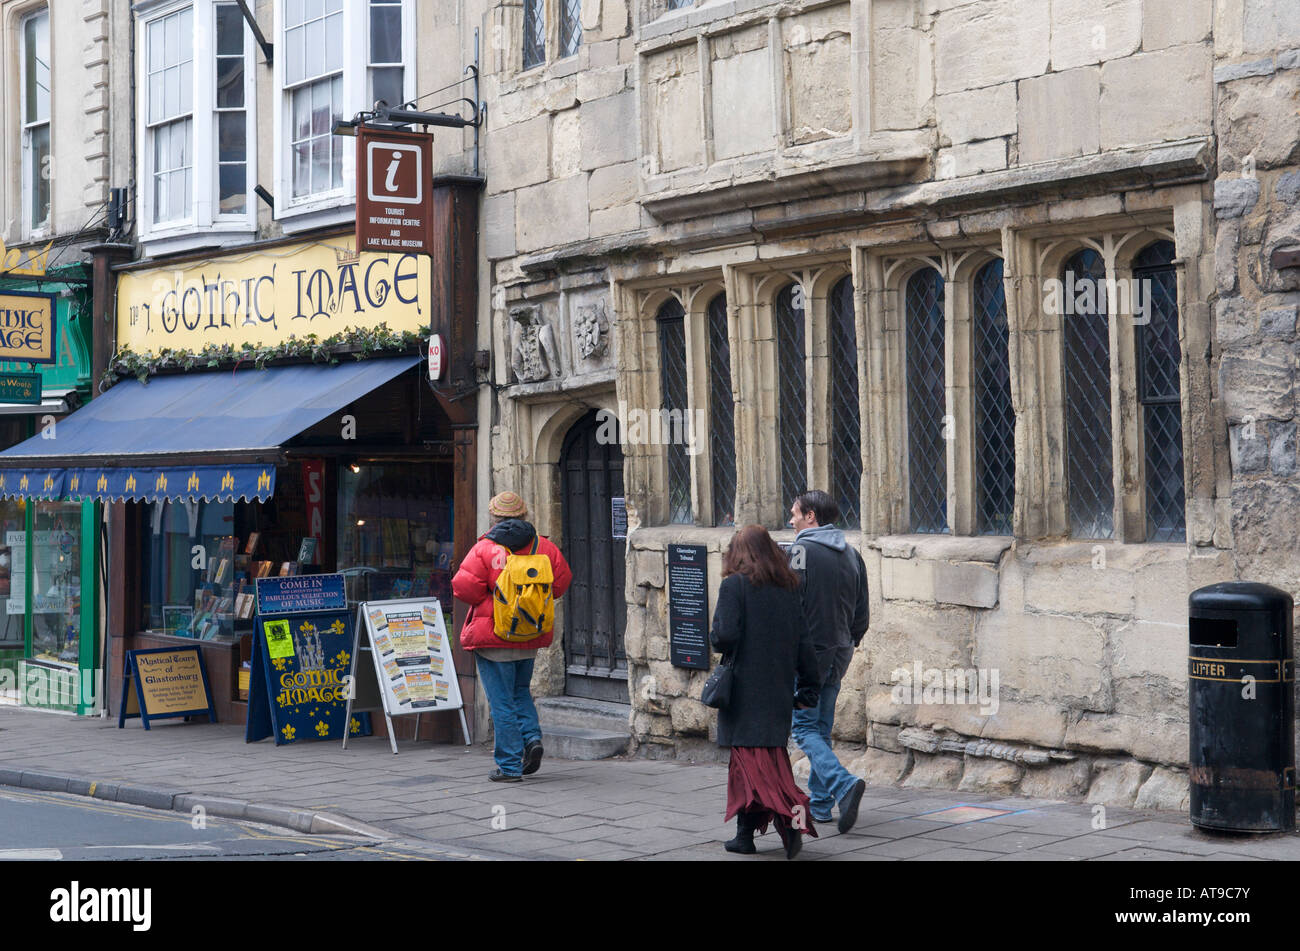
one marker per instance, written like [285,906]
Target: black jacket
[764,627]
[834,593]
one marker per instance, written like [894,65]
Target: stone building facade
[839,232]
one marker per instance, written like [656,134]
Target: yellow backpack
[522,606]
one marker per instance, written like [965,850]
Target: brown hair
[752,553]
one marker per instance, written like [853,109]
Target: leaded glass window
[846,420]
[674,422]
[1159,393]
[995,421]
[1090,485]
[534,33]
[722,419]
[927,456]
[792,396]
[570,27]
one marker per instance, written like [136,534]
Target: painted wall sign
[301,593]
[688,616]
[165,682]
[27,326]
[295,290]
[12,262]
[394,194]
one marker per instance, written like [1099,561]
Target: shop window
[927,419]
[395,531]
[792,395]
[1086,364]
[846,420]
[995,421]
[722,415]
[1159,394]
[56,583]
[534,33]
[677,416]
[34,84]
[13,592]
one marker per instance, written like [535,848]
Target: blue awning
[124,444]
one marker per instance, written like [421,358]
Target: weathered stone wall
[739,146]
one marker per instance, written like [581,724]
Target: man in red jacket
[505,668]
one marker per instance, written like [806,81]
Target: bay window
[197,169]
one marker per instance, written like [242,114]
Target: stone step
[576,742]
[582,729]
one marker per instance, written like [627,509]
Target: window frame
[31,229]
[204,218]
[335,205]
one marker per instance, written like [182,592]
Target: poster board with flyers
[411,662]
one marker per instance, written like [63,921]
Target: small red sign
[394,191]
[436,356]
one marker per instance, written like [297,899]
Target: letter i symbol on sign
[392,172]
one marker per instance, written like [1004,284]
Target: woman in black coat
[758,623]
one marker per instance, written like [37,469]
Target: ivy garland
[361,343]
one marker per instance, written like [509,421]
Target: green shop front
[51,641]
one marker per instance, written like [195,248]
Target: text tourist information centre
[292,431]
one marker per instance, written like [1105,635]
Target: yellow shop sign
[27,327]
[266,298]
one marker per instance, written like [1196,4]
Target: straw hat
[508,505]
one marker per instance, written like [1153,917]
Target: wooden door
[591,474]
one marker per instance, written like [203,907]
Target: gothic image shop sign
[688,606]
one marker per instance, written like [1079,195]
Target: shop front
[50,644]
[276,420]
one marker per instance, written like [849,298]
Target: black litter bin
[1241,681]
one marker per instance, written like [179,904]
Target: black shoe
[849,805]
[791,837]
[533,757]
[499,777]
[743,843]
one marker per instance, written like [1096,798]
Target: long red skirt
[760,782]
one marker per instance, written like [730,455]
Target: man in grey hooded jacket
[834,591]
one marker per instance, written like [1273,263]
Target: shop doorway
[591,475]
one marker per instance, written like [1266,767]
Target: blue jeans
[828,780]
[514,717]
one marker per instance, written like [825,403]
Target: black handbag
[717,689]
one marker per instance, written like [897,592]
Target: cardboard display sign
[302,663]
[412,671]
[165,682]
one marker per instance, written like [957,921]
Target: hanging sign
[688,606]
[20,388]
[394,191]
[302,662]
[412,667]
[164,682]
[27,326]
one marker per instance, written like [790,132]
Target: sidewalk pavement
[609,809]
